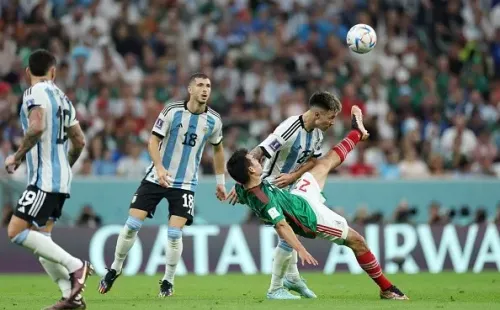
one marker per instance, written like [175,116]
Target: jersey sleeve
[72,115]
[282,135]
[216,136]
[272,213]
[35,97]
[162,124]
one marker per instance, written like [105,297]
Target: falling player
[302,211]
[48,119]
[175,146]
[291,150]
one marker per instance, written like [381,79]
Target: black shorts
[149,195]
[37,207]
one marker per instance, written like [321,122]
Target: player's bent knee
[356,242]
[177,221]
[18,237]
[138,214]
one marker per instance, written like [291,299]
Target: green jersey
[273,205]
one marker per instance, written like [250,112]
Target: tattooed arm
[77,138]
[35,131]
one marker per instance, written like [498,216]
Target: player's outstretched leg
[43,246]
[126,240]
[370,265]
[281,258]
[293,281]
[338,153]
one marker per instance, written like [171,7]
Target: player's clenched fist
[11,164]
[163,177]
[305,257]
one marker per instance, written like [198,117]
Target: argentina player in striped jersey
[290,151]
[175,146]
[48,119]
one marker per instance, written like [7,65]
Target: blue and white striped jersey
[47,161]
[184,137]
[289,146]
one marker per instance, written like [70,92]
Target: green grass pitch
[237,291]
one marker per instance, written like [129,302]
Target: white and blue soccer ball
[361,38]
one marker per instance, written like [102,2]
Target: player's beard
[202,101]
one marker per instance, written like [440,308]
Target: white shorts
[330,225]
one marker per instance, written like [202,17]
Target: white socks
[282,255]
[292,272]
[57,273]
[126,240]
[173,253]
[43,246]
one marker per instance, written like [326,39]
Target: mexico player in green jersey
[302,211]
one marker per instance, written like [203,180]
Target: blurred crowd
[430,89]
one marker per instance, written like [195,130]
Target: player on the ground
[175,146]
[48,119]
[291,150]
[302,211]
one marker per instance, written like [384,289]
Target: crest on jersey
[275,145]
[159,123]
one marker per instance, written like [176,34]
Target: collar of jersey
[301,119]
[186,108]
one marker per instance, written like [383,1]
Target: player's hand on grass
[305,257]
[233,198]
[11,164]
[221,192]
[284,180]
[163,177]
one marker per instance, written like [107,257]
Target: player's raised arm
[286,233]
[36,127]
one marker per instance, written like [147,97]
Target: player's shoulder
[172,106]
[36,90]
[289,127]
[214,114]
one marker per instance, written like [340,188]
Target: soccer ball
[361,38]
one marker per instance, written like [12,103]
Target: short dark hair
[40,61]
[198,75]
[325,100]
[237,166]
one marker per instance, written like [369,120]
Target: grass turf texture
[237,291]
